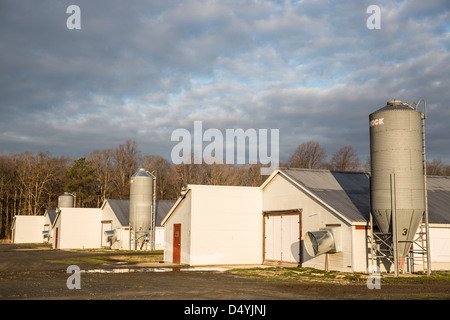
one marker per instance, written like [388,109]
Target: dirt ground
[40,273]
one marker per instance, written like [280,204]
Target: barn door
[272,246]
[56,238]
[176,244]
[282,237]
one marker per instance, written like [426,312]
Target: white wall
[28,229]
[159,238]
[226,225]
[108,214]
[123,239]
[361,249]
[281,194]
[79,228]
[181,215]
[439,248]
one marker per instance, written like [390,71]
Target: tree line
[31,183]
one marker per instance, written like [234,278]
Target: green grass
[114,251]
[420,276]
[34,245]
[83,260]
[311,274]
[287,273]
[108,256]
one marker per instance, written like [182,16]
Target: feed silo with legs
[397,172]
[141,206]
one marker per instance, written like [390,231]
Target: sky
[141,69]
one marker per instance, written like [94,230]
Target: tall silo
[397,172]
[141,205]
[66,200]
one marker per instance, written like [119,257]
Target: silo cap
[395,105]
[394,102]
[142,173]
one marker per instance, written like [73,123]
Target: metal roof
[346,192]
[51,214]
[121,209]
[438,188]
[349,192]
[142,173]
[396,105]
[162,208]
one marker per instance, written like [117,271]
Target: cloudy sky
[141,69]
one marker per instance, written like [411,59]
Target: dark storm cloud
[140,69]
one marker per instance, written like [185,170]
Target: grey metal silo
[397,171]
[66,200]
[141,205]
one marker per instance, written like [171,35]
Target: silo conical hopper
[396,151]
[141,197]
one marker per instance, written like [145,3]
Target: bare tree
[6,192]
[308,155]
[436,168]
[102,161]
[346,159]
[125,165]
[165,176]
[367,166]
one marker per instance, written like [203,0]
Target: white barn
[248,225]
[338,200]
[341,200]
[77,228]
[115,214]
[212,225]
[27,229]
